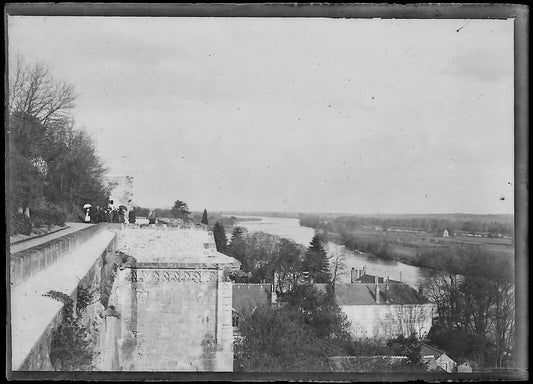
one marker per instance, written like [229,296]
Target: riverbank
[290,228]
[422,252]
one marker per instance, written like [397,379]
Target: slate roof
[370,279]
[427,350]
[249,296]
[364,294]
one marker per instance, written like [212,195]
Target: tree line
[471,224]
[52,164]
[180,209]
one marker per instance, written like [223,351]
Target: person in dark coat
[121,218]
[98,215]
[151,217]
[107,214]
[115,217]
[131,216]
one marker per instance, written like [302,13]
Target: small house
[445,233]
[465,366]
[384,308]
[436,359]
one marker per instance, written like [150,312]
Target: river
[291,229]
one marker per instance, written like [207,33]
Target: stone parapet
[34,316]
[172,247]
[27,263]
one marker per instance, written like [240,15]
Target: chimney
[353,276]
[377,289]
[421,290]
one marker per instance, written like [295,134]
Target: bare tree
[337,261]
[35,92]
[476,310]
[51,161]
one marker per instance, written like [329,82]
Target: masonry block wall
[175,320]
[27,263]
[34,317]
[225,332]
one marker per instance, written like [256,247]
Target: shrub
[49,216]
[39,222]
[20,223]
[70,349]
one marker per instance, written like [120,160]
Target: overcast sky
[304,115]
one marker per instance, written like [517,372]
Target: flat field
[406,244]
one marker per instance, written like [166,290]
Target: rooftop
[370,279]
[249,296]
[364,294]
[428,350]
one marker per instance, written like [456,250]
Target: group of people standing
[108,214]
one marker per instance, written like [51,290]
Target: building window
[235,319]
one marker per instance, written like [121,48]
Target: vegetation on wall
[71,349]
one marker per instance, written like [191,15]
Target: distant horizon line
[266,213]
[360,213]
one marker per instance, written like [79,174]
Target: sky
[292,114]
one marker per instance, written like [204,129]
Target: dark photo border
[520,14]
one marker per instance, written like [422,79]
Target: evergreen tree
[220,237]
[237,234]
[315,262]
[204,218]
[237,247]
[180,210]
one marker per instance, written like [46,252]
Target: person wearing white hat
[87,208]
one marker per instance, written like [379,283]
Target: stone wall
[173,302]
[169,320]
[34,316]
[389,320]
[169,244]
[176,320]
[38,358]
[29,262]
